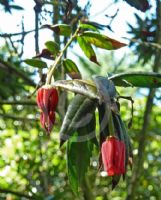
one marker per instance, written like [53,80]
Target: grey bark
[138,167]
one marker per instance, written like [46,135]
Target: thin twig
[101,11]
[13,117]
[13,69]
[132,107]
[5,35]
[20,194]
[151,44]
[50,73]
[25,103]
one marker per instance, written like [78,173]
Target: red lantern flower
[47,100]
[113,156]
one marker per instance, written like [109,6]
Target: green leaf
[84,87]
[71,68]
[60,29]
[137,79]
[94,26]
[87,49]
[88,26]
[78,160]
[16,7]
[36,63]
[101,41]
[53,47]
[103,122]
[91,130]
[105,87]
[130,149]
[79,114]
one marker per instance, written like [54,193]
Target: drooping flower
[113,156]
[47,100]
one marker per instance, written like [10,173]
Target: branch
[149,44]
[17,118]
[28,103]
[5,35]
[13,69]
[57,60]
[56,10]
[7,191]
[37,9]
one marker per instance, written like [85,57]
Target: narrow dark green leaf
[84,87]
[36,63]
[60,29]
[71,165]
[71,69]
[16,7]
[88,26]
[78,160]
[79,114]
[52,47]
[87,49]
[137,79]
[103,122]
[101,41]
[91,130]
[130,149]
[123,135]
[96,26]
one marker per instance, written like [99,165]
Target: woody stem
[50,72]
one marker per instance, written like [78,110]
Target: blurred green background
[32,166]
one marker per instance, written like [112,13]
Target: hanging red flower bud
[113,156]
[47,100]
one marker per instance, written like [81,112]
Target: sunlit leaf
[78,160]
[87,49]
[94,26]
[84,87]
[52,47]
[36,63]
[88,26]
[101,41]
[71,69]
[60,29]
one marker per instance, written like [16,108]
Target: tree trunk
[138,167]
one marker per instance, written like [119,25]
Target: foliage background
[31,164]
